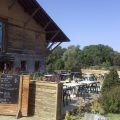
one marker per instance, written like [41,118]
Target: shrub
[68,116]
[111,79]
[111,100]
[96,107]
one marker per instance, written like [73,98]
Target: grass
[113,116]
[110,116]
[79,118]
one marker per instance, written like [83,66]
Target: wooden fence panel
[45,100]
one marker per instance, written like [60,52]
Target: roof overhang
[53,32]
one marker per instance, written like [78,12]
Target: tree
[54,61]
[116,59]
[110,98]
[96,55]
[72,57]
[111,80]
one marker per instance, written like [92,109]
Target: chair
[66,96]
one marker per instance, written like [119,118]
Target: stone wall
[30,60]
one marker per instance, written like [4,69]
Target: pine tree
[110,98]
[111,80]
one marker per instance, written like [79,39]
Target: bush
[111,100]
[96,107]
[111,80]
[68,116]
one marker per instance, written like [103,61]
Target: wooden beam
[12,4]
[31,16]
[47,32]
[54,31]
[47,25]
[51,45]
[45,28]
[56,46]
[54,36]
[46,44]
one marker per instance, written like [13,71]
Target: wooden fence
[45,100]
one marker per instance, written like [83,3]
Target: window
[37,66]
[1,34]
[23,65]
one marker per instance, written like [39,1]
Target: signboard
[9,89]
[14,91]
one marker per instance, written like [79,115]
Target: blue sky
[87,22]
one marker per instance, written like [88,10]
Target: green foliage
[37,76]
[72,57]
[99,56]
[116,59]
[96,55]
[113,116]
[68,116]
[54,61]
[110,98]
[106,65]
[111,80]
[96,107]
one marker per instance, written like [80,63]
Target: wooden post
[19,114]
[25,95]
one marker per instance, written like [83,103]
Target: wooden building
[27,35]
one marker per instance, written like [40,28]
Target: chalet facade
[27,35]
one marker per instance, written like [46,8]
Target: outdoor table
[71,84]
[87,82]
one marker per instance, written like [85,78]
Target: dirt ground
[23,118]
[72,105]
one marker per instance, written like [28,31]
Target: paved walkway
[75,102]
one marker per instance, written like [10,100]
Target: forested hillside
[90,56]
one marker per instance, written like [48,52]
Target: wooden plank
[12,4]
[20,40]
[8,109]
[25,95]
[59,100]
[44,100]
[19,114]
[31,16]
[4,44]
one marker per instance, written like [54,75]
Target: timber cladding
[18,37]
[24,41]
[45,100]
